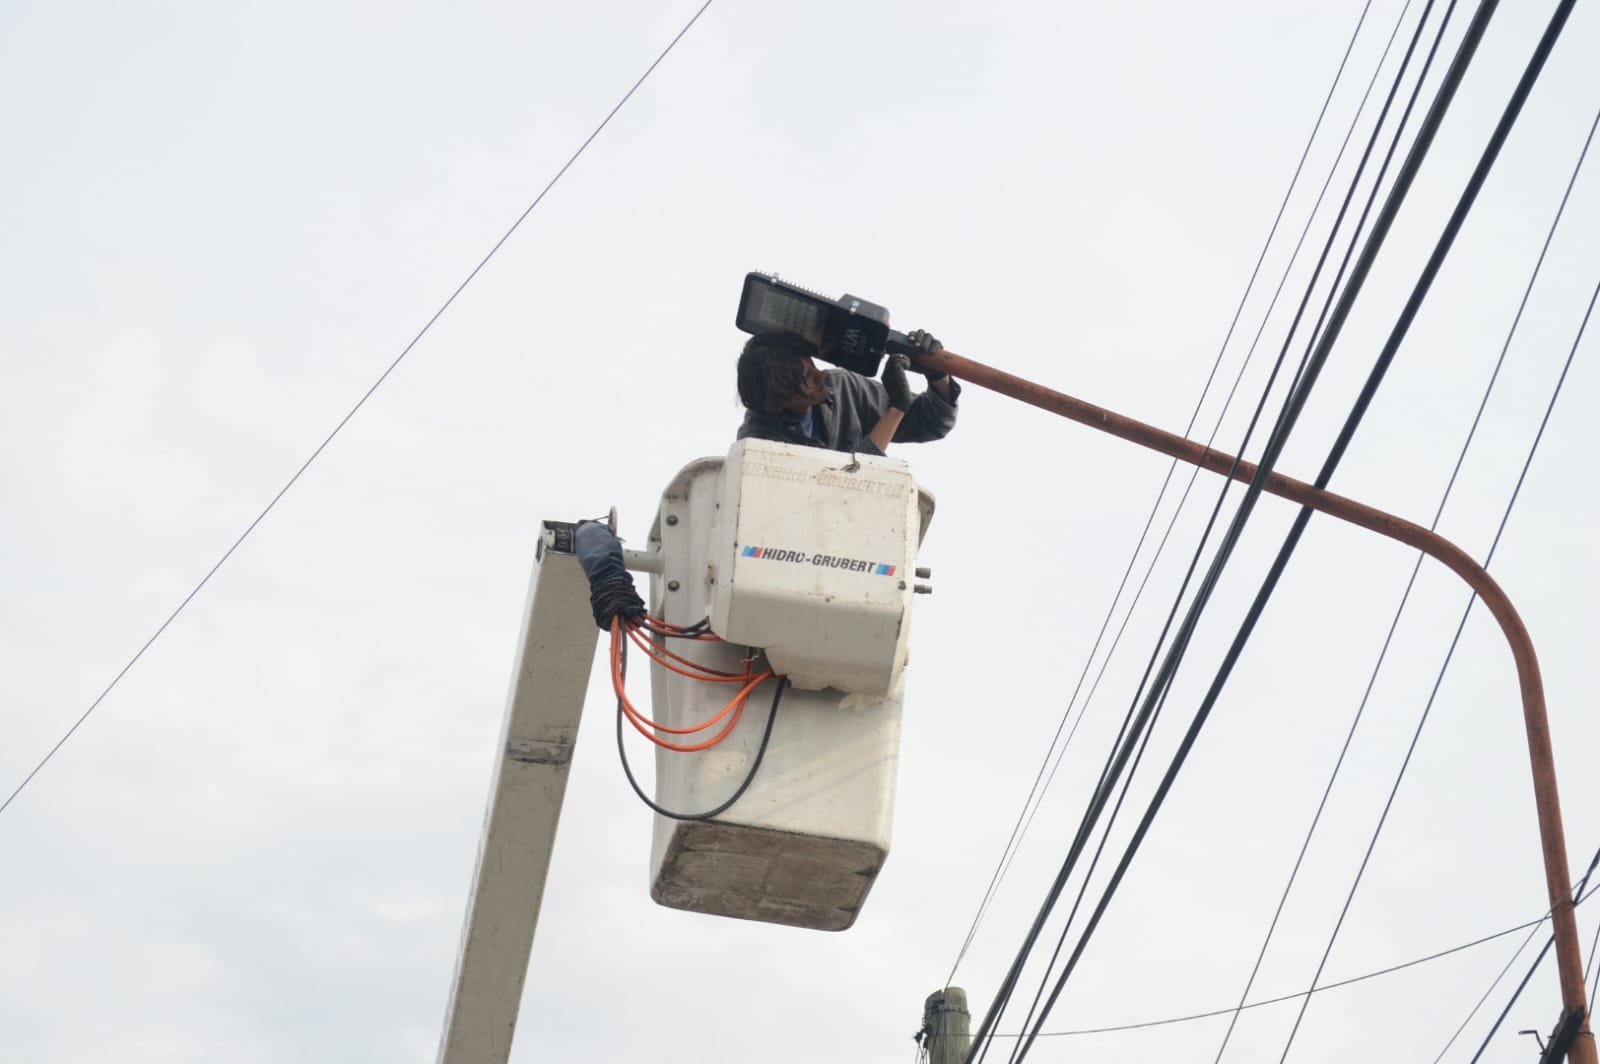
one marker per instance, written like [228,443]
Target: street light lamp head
[848,331]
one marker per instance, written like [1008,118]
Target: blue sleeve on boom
[611,590]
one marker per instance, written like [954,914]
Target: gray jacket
[854,405]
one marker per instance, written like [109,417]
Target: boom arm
[554,658]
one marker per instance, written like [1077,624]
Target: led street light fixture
[848,332]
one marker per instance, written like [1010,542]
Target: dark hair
[770,371]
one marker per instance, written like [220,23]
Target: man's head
[776,373]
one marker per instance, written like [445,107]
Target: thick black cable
[1407,174]
[1480,173]
[1136,721]
[1025,817]
[353,410]
[755,765]
[1416,569]
[1305,378]
[1163,694]
[1579,895]
[1116,761]
[1498,1020]
[1094,863]
[1496,982]
[1460,627]
[1195,471]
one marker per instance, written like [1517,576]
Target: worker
[787,398]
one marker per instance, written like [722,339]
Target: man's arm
[898,391]
[884,430]
[932,414]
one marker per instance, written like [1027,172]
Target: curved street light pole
[1558,877]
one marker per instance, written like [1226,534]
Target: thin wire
[1502,130]
[1533,924]
[1305,378]
[1521,477]
[1482,1000]
[1227,404]
[1291,412]
[1415,570]
[1498,1020]
[352,412]
[1593,946]
[1025,817]
[1579,891]
[1140,717]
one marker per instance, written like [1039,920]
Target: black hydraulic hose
[761,752]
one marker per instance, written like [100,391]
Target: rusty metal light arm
[1558,876]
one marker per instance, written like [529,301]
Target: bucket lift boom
[554,657]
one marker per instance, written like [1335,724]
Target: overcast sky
[221,222]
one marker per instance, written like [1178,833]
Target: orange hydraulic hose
[656,650]
[643,724]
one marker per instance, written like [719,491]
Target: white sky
[221,221]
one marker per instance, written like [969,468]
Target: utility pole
[946,1026]
[1547,804]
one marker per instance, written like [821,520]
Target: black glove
[925,344]
[894,382]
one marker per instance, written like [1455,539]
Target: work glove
[925,344]
[894,381]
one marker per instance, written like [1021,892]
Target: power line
[1582,897]
[1344,265]
[1513,959]
[1292,409]
[1025,817]
[1496,982]
[1415,570]
[1305,379]
[1361,107]
[1461,625]
[1498,1020]
[1480,173]
[1142,717]
[353,410]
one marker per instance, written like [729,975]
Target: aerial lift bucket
[807,557]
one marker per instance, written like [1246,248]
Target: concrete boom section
[554,657]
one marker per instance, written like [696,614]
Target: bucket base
[777,877]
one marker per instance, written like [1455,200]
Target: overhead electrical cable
[1292,409]
[1030,806]
[1580,896]
[1439,678]
[1416,569]
[1156,695]
[1593,947]
[1058,754]
[1498,1020]
[1530,925]
[1533,933]
[1385,357]
[1494,1027]
[358,405]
